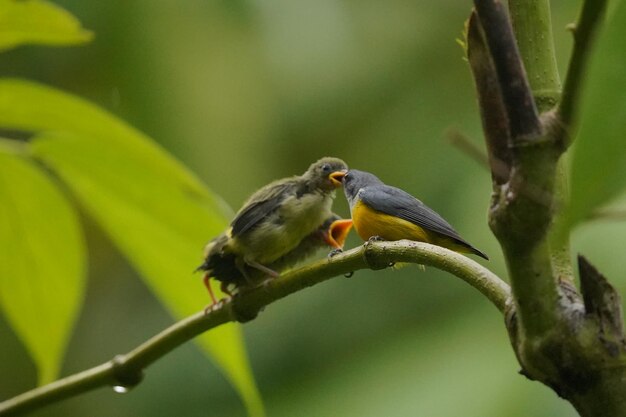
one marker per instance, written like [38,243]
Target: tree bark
[569,340]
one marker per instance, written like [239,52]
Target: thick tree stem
[606,398]
[537,314]
[577,349]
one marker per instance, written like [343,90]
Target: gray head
[354,180]
[326,174]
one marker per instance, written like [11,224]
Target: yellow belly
[368,222]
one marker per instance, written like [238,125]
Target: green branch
[584,32]
[577,349]
[518,219]
[533,28]
[127,370]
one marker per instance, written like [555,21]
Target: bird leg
[334,252]
[262,268]
[225,290]
[207,284]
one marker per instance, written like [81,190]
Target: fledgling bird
[221,266]
[380,210]
[276,218]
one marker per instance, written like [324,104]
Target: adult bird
[380,210]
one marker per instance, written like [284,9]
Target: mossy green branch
[127,370]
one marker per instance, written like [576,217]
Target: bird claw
[215,306]
[266,282]
[375,239]
[334,252]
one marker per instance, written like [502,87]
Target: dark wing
[260,205]
[396,202]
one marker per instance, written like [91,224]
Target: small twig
[498,167]
[127,369]
[608,214]
[517,96]
[584,34]
[465,145]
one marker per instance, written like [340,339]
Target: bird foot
[215,306]
[263,269]
[334,252]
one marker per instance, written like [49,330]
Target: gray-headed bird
[380,210]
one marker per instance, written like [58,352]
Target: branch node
[240,313]
[124,376]
[523,372]
[374,256]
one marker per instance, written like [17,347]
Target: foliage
[246,92]
[599,162]
[156,212]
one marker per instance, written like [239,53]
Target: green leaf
[38,22]
[599,163]
[42,262]
[156,212]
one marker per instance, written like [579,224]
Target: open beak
[336,177]
[337,233]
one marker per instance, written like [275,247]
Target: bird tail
[478,252]
[461,245]
[204,266]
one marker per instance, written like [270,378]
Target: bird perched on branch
[222,266]
[380,210]
[276,218]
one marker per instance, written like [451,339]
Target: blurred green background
[244,92]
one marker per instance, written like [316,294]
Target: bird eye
[326,168]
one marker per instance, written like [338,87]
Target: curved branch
[126,370]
